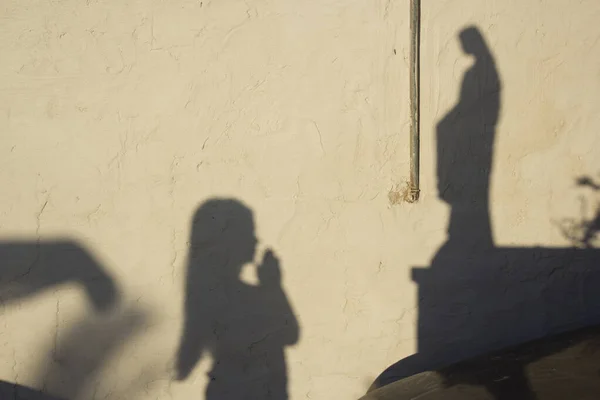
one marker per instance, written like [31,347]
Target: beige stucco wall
[119,118]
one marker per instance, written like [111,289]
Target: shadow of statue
[477,297]
[244,328]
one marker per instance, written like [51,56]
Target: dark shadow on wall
[82,351]
[29,268]
[245,328]
[477,297]
[9,390]
[72,366]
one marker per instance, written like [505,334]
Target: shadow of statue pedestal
[471,304]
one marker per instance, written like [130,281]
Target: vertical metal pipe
[415,28]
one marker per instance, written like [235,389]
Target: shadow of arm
[29,268]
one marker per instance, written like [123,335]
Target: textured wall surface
[118,119]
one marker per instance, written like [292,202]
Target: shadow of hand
[269,271]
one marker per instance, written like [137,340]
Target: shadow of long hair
[244,328]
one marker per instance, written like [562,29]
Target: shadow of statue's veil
[465,144]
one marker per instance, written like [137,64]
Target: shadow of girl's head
[223,235]
[473,42]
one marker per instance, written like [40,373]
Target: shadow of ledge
[15,391]
[565,366]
